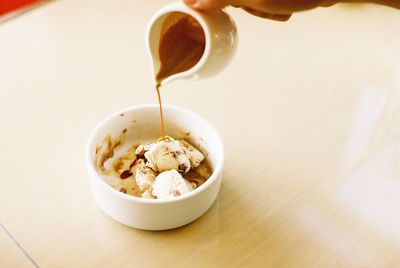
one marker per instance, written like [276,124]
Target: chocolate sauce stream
[182,44]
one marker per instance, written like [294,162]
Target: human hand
[270,9]
[278,9]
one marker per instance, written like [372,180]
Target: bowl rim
[93,174]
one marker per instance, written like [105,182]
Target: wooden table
[309,111]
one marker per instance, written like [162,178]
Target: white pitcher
[220,40]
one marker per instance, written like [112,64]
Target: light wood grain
[308,111]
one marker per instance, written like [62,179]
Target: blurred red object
[7,6]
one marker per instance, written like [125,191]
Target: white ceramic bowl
[142,124]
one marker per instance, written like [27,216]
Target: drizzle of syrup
[182,44]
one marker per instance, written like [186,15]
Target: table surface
[309,111]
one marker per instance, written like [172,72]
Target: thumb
[207,4]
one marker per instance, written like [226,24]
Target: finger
[328,3]
[281,7]
[277,17]
[206,4]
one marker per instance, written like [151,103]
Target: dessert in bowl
[185,168]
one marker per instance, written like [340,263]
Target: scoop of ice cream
[144,176]
[167,154]
[170,184]
[194,155]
